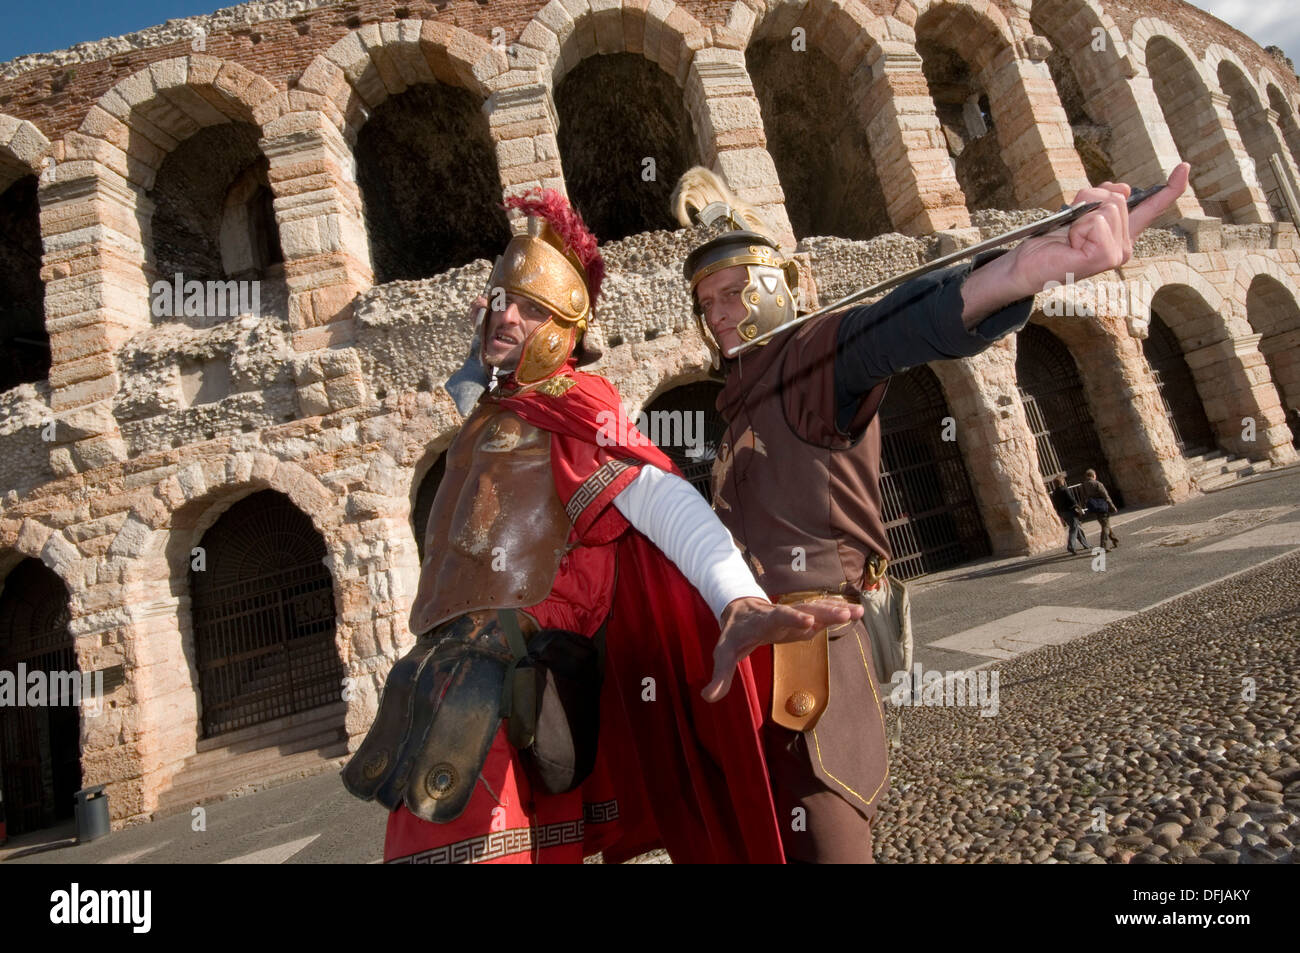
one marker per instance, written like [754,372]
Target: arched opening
[1273,314]
[962,104]
[625,138]
[213,223]
[263,610]
[1186,104]
[929,508]
[822,154]
[1059,22]
[40,741]
[685,424]
[424,498]
[429,183]
[1057,410]
[1177,389]
[24,344]
[1252,125]
[1286,118]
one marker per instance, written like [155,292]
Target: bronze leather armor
[497,529]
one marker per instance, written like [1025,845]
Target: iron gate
[263,617]
[1177,389]
[40,754]
[929,509]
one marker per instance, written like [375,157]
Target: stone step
[1220,480]
[259,736]
[217,780]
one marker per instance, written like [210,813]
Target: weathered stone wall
[148,426]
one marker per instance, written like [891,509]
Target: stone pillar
[1228,176]
[729,124]
[1233,380]
[998,448]
[522,121]
[893,102]
[1143,150]
[1033,130]
[96,297]
[322,233]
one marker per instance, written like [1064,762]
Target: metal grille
[40,756]
[1057,411]
[695,398]
[1177,388]
[929,510]
[263,617]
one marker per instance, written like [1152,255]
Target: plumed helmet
[701,196]
[555,264]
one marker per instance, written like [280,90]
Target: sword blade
[1037,227]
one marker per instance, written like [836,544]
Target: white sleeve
[674,516]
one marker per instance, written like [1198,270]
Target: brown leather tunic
[497,529]
[804,504]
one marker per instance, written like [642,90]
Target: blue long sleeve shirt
[916,323]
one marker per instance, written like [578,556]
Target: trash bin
[91,813]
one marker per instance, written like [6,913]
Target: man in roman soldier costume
[571,580]
[797,475]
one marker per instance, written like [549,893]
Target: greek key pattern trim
[498,844]
[600,812]
[593,486]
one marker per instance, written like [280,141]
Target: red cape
[688,774]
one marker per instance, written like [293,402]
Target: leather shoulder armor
[497,529]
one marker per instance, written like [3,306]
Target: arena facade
[211,497]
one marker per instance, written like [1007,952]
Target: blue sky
[35,27]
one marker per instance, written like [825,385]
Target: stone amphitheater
[211,500]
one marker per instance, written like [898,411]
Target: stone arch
[1122,396]
[40,745]
[133,126]
[684,423]
[930,510]
[828,147]
[982,75]
[1090,81]
[24,343]
[1230,374]
[667,35]
[1289,125]
[1270,303]
[1258,137]
[379,60]
[1185,91]
[154,550]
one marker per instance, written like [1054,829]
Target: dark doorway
[424,498]
[705,428]
[263,616]
[24,345]
[1052,394]
[929,508]
[40,746]
[1177,389]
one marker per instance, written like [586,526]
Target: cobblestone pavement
[1142,728]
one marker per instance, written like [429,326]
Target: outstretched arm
[673,516]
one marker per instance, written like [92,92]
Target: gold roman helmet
[701,196]
[543,267]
